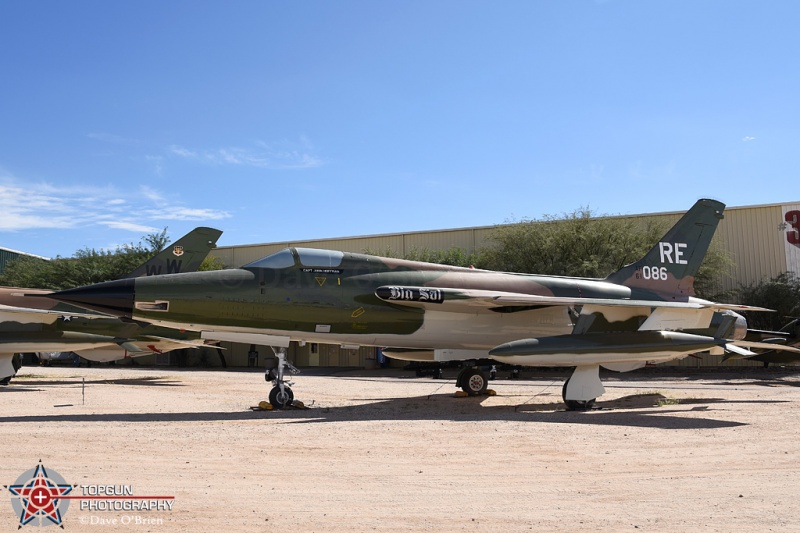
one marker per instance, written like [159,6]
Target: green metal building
[7,255]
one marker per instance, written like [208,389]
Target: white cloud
[185,213]
[151,194]
[16,221]
[182,152]
[748,139]
[33,208]
[163,208]
[281,155]
[129,226]
[45,206]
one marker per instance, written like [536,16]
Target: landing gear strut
[281,395]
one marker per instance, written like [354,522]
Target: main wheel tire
[575,405]
[279,399]
[473,381]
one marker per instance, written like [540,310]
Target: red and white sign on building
[791,220]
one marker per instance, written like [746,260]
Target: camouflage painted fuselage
[333,297]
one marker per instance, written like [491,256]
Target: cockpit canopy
[304,257]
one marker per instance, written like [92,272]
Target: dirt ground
[387,451]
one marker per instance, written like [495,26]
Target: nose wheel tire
[281,398]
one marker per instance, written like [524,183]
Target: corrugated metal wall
[5,257]
[397,244]
[754,238]
[753,235]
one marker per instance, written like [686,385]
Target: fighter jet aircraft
[643,313]
[45,325]
[788,335]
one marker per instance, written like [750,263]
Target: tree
[453,256]
[582,244]
[575,244]
[87,266]
[781,293]
[211,263]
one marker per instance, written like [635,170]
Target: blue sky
[279,121]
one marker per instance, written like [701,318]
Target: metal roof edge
[4,249]
[290,243]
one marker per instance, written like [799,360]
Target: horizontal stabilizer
[764,346]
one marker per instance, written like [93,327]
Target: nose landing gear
[281,394]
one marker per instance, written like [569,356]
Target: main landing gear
[474,381]
[281,394]
[582,388]
[575,405]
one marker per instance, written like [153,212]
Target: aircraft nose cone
[112,297]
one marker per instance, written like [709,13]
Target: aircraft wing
[172,344]
[470,300]
[136,347]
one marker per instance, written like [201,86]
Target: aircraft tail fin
[670,267]
[185,255]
